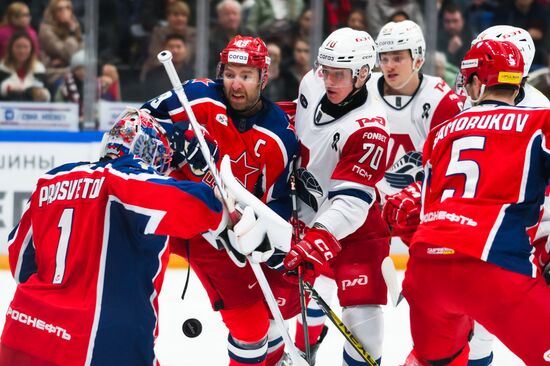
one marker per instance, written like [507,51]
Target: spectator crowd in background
[42,42]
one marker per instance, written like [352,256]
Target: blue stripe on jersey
[28,263]
[351,192]
[161,105]
[66,167]
[124,334]
[511,247]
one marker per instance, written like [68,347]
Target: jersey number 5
[468,168]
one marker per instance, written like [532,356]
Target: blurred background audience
[22,76]
[132,32]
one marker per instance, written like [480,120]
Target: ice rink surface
[209,348]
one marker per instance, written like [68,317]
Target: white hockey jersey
[340,162]
[410,119]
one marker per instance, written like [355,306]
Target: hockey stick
[165,57]
[340,325]
[296,227]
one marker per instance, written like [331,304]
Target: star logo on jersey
[205,81]
[242,169]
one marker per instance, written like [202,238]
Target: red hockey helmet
[246,51]
[494,63]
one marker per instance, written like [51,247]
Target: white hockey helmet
[405,35]
[348,48]
[518,36]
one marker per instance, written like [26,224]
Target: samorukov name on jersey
[83,188]
[498,122]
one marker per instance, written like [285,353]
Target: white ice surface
[174,349]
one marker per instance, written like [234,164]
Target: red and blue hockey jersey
[89,256]
[486,174]
[261,147]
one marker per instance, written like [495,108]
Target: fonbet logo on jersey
[547,356]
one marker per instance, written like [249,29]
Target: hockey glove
[185,143]
[402,211]
[316,249]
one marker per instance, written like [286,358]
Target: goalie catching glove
[259,234]
[186,148]
[402,211]
[316,248]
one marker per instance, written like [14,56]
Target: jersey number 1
[65,226]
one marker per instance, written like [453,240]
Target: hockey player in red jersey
[344,136]
[258,138]
[90,252]
[467,212]
[481,344]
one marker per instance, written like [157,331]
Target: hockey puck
[192,328]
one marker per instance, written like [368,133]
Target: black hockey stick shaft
[296,227]
[340,325]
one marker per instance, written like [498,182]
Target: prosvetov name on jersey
[84,188]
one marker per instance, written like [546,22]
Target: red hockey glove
[316,249]
[184,142]
[402,211]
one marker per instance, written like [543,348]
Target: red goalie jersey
[478,201]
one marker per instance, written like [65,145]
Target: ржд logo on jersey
[362,280]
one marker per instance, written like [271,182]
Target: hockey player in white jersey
[344,137]
[415,102]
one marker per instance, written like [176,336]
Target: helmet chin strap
[479,97]
[354,90]
[415,70]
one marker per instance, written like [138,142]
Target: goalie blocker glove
[186,148]
[316,248]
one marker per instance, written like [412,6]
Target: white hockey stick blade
[390,277]
[279,231]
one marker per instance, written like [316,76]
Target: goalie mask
[138,133]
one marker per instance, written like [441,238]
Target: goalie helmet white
[518,36]
[405,35]
[348,48]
